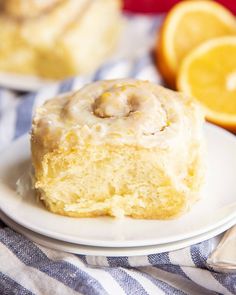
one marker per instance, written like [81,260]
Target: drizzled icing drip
[119,111]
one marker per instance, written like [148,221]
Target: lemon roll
[119,147]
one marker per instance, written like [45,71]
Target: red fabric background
[154,6]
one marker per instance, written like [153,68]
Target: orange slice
[187,25]
[209,74]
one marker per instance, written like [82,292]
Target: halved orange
[209,74]
[188,24]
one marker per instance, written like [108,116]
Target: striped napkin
[28,268]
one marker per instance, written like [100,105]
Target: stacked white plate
[214,213]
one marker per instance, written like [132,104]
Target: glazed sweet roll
[118,147]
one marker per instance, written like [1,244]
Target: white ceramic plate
[113,251]
[216,207]
[23,82]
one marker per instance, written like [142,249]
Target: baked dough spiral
[118,147]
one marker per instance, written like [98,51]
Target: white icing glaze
[119,111]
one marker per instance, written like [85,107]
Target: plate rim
[87,250]
[21,82]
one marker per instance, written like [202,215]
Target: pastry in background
[26,8]
[119,148]
[58,38]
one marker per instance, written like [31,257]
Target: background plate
[23,82]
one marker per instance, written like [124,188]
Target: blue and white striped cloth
[28,268]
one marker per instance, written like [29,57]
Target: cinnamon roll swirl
[118,147]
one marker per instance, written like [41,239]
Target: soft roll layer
[118,147]
[55,39]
